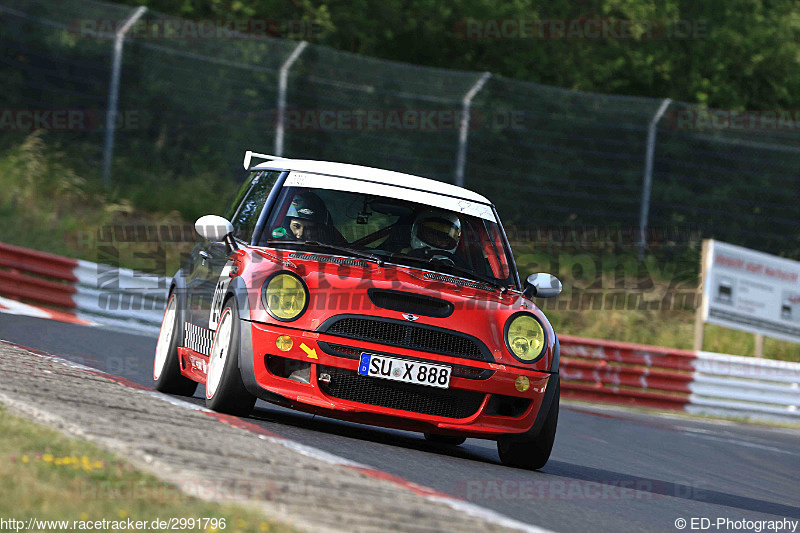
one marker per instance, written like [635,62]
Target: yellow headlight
[525,337]
[285,297]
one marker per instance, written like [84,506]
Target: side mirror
[213,228]
[542,286]
[216,229]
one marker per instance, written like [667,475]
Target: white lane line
[705,434]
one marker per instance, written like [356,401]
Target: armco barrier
[591,370]
[90,292]
[697,382]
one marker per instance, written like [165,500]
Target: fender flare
[549,397]
[237,289]
[556,355]
[178,286]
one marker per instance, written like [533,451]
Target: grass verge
[48,476]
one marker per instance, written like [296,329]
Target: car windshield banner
[451,203]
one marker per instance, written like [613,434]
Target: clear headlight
[285,296]
[525,337]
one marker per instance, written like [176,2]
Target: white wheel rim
[164,338]
[219,354]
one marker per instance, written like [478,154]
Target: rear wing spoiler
[248,155]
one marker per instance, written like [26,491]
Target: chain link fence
[188,107]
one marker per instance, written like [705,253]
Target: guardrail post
[466,103]
[648,175]
[113,92]
[283,78]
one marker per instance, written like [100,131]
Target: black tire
[448,440]
[531,451]
[231,396]
[170,380]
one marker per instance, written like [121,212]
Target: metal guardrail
[591,370]
[696,382]
[90,292]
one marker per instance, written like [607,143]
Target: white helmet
[436,230]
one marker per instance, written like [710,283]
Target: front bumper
[476,404]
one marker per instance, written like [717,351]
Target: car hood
[337,289]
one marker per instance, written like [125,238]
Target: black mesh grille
[408,336]
[329,259]
[406,302]
[448,403]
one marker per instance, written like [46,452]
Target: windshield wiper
[343,249]
[457,269]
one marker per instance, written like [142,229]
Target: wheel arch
[237,289]
[178,287]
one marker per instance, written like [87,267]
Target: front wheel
[166,364]
[531,451]
[225,391]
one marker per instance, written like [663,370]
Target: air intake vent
[405,335]
[408,302]
[447,403]
[329,259]
[457,281]
[340,350]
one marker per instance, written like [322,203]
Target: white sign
[751,291]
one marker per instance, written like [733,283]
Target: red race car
[365,295]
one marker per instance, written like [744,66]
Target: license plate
[380,366]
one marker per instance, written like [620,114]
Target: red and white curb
[309,451]
[19,308]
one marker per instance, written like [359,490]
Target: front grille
[414,337]
[408,302]
[349,352]
[447,403]
[329,259]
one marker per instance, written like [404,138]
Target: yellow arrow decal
[310,352]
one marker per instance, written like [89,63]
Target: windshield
[391,230]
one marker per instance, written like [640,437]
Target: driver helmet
[305,218]
[307,206]
[436,230]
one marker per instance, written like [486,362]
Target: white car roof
[375,175]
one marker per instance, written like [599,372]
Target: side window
[232,208]
[246,216]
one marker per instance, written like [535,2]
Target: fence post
[113,93]
[282,82]
[464,127]
[648,175]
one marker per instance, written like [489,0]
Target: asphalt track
[611,469]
